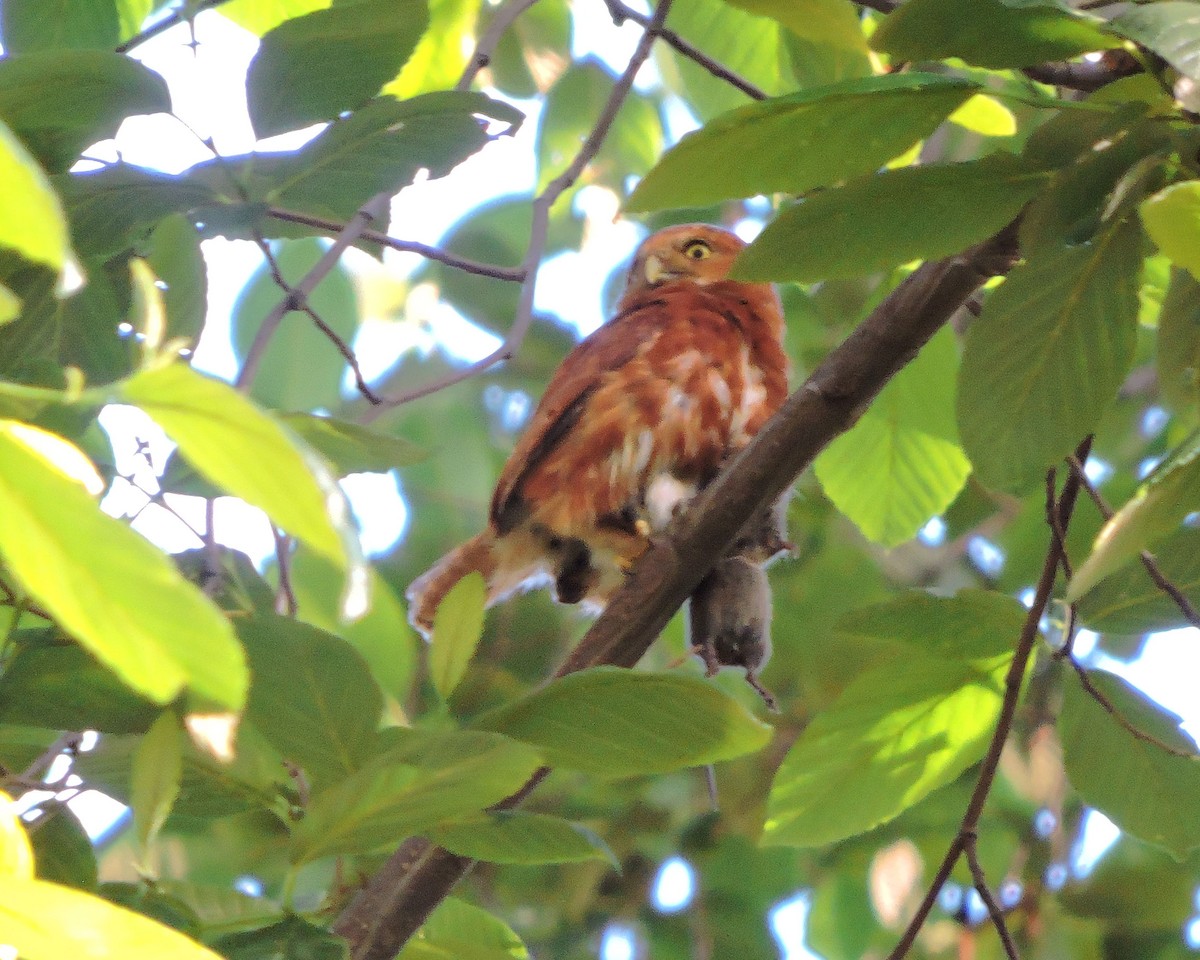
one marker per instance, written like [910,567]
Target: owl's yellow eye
[697,250]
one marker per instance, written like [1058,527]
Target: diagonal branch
[1012,691]
[622,12]
[502,19]
[416,878]
[185,13]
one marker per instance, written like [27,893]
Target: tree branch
[542,205]
[985,894]
[183,15]
[515,274]
[501,20]
[1160,580]
[1012,692]
[396,901]
[622,12]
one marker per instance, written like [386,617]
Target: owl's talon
[767,696]
[642,526]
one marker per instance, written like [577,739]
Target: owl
[637,419]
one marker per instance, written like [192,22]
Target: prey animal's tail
[426,593]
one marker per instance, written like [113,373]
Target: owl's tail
[426,593]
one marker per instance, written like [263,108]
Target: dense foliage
[279,732]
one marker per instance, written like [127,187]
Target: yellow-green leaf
[16,855]
[31,218]
[45,921]
[156,777]
[457,627]
[114,592]
[1172,218]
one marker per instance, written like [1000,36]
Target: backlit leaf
[351,448]
[899,731]
[1128,601]
[120,597]
[31,217]
[1179,342]
[243,451]
[156,776]
[901,463]
[1172,218]
[16,855]
[456,929]
[457,628]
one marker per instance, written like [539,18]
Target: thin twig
[159,500]
[1110,708]
[515,274]
[299,301]
[622,12]
[541,221]
[1060,536]
[1186,607]
[985,893]
[285,596]
[371,211]
[186,13]
[501,20]
[213,575]
[67,742]
[1012,692]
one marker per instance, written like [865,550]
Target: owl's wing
[609,348]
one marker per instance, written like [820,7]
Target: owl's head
[693,251]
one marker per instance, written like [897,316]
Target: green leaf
[890,218]
[156,776]
[58,25]
[243,451]
[996,34]
[292,938]
[115,208]
[382,635]
[801,141]
[985,115]
[522,838]
[1043,362]
[300,369]
[40,101]
[120,597]
[900,730]
[1172,218]
[827,23]
[972,624]
[1157,795]
[901,463]
[62,849]
[351,448]
[460,931]
[316,66]
[1167,496]
[173,252]
[32,916]
[10,305]
[380,147]
[298,695]
[31,217]
[620,723]
[457,628]
[1179,343]
[57,684]
[131,15]
[1129,602]
[1171,28]
[400,794]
